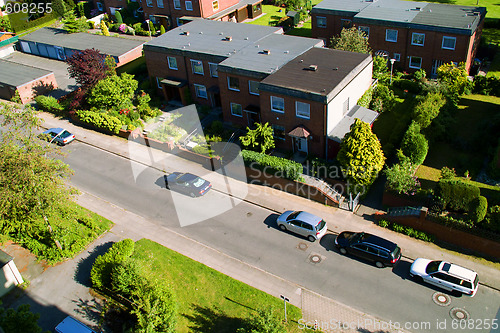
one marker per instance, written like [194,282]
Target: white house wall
[354,90]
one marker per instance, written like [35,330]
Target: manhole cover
[315,259]
[441,299]
[459,314]
[302,246]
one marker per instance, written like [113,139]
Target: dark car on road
[369,247]
[187,183]
[58,135]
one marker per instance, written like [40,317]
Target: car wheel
[311,238]
[191,195]
[282,227]
[343,251]
[379,264]
[456,293]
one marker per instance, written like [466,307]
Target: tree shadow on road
[84,265]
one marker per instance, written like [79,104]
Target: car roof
[459,271]
[187,177]
[308,218]
[379,241]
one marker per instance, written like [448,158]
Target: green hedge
[49,104]
[100,120]
[406,230]
[414,144]
[478,209]
[409,85]
[456,195]
[278,166]
[487,85]
[101,272]
[366,99]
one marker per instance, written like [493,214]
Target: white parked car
[445,275]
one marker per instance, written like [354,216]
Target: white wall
[354,90]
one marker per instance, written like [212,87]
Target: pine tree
[162,30]
[104,29]
[118,17]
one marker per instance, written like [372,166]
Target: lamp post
[285,300]
[149,29]
[392,65]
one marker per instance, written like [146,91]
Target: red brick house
[415,34]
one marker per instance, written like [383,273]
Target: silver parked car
[305,224]
[58,135]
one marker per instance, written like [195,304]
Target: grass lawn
[208,301]
[271,15]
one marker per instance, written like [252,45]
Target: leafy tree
[104,29]
[19,320]
[59,7]
[478,209]
[428,108]
[87,67]
[113,92]
[31,185]
[111,65]
[118,17]
[383,99]
[162,30]
[379,66]
[414,144]
[360,155]
[401,178]
[264,321]
[72,24]
[5,24]
[261,138]
[455,77]
[351,40]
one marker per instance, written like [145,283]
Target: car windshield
[432,267]
[64,134]
[292,216]
[356,238]
[197,182]
[320,225]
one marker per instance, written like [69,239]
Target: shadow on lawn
[212,319]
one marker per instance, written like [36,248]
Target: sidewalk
[338,220]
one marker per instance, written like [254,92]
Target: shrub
[492,220]
[447,173]
[398,228]
[366,99]
[100,274]
[408,85]
[419,75]
[100,120]
[383,223]
[278,166]
[414,145]
[118,17]
[217,127]
[478,209]
[384,97]
[455,194]
[487,85]
[428,108]
[401,178]
[49,104]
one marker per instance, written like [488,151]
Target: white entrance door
[301,144]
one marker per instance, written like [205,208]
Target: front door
[301,144]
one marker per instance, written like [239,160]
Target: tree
[478,209]
[414,144]
[113,92]
[351,40]
[455,77]
[111,65]
[261,138]
[360,155]
[5,24]
[72,24]
[19,320]
[118,17]
[264,321]
[31,185]
[379,67]
[87,67]
[428,108]
[162,29]
[104,29]
[401,178]
[59,7]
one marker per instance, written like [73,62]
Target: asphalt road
[248,232]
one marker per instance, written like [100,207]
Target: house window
[201,91]
[345,107]
[189,5]
[197,67]
[159,3]
[158,81]
[302,110]
[172,63]
[397,56]
[215,5]
[177,4]
[278,131]
[149,3]
[449,43]
[253,87]
[415,62]
[100,6]
[213,69]
[236,110]
[417,39]
[391,35]
[346,23]
[366,30]
[233,83]
[321,21]
[277,104]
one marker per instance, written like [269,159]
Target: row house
[417,35]
[173,13]
[306,92]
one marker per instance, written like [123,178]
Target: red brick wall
[157,65]
[26,91]
[129,56]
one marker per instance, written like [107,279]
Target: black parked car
[187,183]
[370,247]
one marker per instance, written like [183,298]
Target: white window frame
[198,88]
[212,65]
[170,64]
[149,3]
[215,5]
[190,7]
[273,126]
[397,56]
[387,37]
[235,114]
[158,80]
[194,63]
[297,111]
[410,65]
[250,90]
[417,34]
[346,23]
[449,38]
[272,104]
[177,4]
[365,29]
[317,21]
[229,83]
[159,3]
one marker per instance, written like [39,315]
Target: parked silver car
[302,223]
[58,135]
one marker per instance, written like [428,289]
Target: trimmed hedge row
[456,195]
[100,120]
[487,85]
[408,231]
[273,165]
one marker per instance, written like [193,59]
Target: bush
[383,223]
[217,127]
[278,166]
[408,85]
[366,99]
[118,17]
[492,220]
[478,209]
[100,274]
[383,98]
[455,194]
[487,85]
[401,178]
[414,145]
[428,108]
[447,173]
[49,104]
[100,120]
